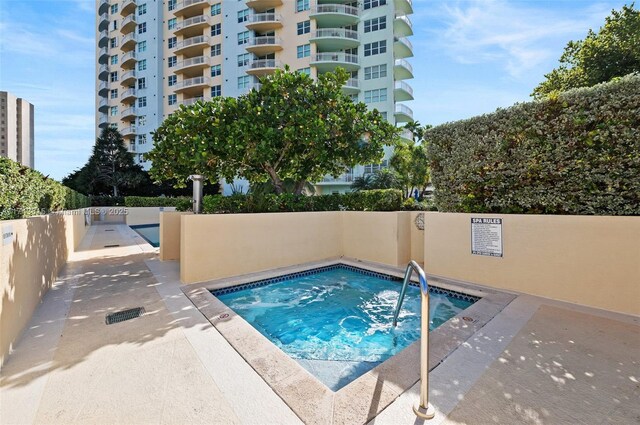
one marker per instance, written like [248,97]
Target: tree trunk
[299,187]
[275,179]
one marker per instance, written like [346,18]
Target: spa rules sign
[486,236]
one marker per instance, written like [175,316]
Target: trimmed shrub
[369,200]
[25,192]
[106,201]
[181,203]
[573,153]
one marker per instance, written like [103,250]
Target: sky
[471,57]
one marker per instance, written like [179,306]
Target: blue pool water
[150,233]
[336,322]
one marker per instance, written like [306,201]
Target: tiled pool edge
[365,397]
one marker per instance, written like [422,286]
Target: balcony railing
[336,8]
[352,83]
[128,131]
[128,75]
[189,102]
[198,60]
[401,85]
[200,19]
[404,109]
[403,63]
[263,63]
[404,41]
[128,112]
[343,178]
[103,86]
[196,81]
[191,41]
[336,33]
[264,40]
[128,56]
[336,57]
[263,17]
[128,93]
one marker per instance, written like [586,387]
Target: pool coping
[143,226]
[362,399]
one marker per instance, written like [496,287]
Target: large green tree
[409,161]
[293,129]
[612,52]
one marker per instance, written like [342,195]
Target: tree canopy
[294,128]
[612,52]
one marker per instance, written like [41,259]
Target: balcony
[129,132]
[261,46]
[264,22]
[128,78]
[402,91]
[403,113]
[103,6]
[260,67]
[334,15]
[402,26]
[132,147]
[103,38]
[402,70]
[103,121]
[128,113]
[351,86]
[103,88]
[103,22]
[342,179]
[192,84]
[196,64]
[103,105]
[191,46]
[128,95]
[406,135]
[193,100]
[192,26]
[262,5]
[103,72]
[128,60]
[128,42]
[331,39]
[404,6]
[252,86]
[402,48]
[128,6]
[128,24]
[103,55]
[329,61]
[190,8]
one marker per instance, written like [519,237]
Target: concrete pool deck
[537,361]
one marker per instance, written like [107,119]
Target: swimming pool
[149,232]
[335,321]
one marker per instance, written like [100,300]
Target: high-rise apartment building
[154,56]
[16,129]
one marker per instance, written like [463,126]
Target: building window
[215,9]
[243,16]
[304,51]
[171,42]
[216,91]
[243,82]
[172,79]
[305,71]
[142,28]
[216,70]
[171,23]
[216,49]
[173,99]
[243,37]
[113,111]
[142,9]
[114,25]
[243,59]
[142,46]
[171,4]
[142,83]
[142,139]
[375,24]
[302,5]
[375,48]
[142,102]
[370,4]
[113,43]
[113,76]
[142,65]
[304,27]
[353,97]
[114,94]
[142,120]
[377,95]
[114,60]
[376,71]
[114,9]
[216,30]
[172,61]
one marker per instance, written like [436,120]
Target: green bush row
[106,201]
[25,192]
[369,200]
[573,153]
[181,203]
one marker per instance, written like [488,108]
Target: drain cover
[123,315]
[108,230]
[111,246]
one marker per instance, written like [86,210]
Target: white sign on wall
[7,234]
[486,236]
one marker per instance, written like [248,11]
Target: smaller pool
[149,232]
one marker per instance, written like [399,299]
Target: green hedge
[573,153]
[106,201]
[369,200]
[25,192]
[181,203]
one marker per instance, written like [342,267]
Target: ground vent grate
[121,316]
[111,246]
[108,230]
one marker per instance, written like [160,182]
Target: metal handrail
[423,410]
